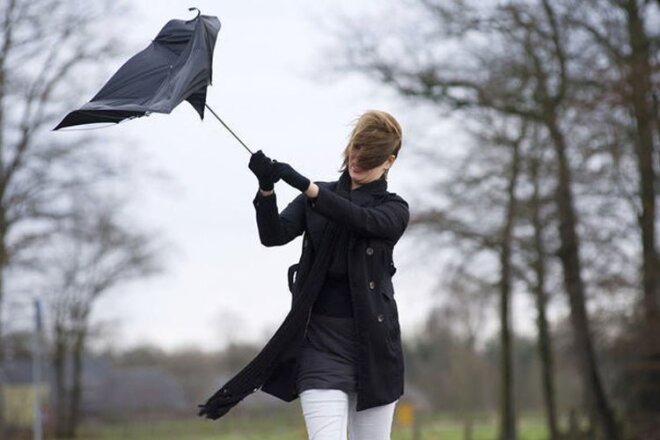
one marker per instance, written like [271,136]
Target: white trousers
[330,413]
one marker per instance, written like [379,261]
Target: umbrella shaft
[228,129]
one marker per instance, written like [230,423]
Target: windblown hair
[376,136]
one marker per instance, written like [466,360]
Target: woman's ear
[390,161]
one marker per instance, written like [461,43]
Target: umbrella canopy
[176,66]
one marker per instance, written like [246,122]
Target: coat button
[370,251]
[372,285]
[380,318]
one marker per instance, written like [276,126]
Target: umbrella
[176,66]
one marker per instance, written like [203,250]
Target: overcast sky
[269,86]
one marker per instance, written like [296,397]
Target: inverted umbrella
[176,66]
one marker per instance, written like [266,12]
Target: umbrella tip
[198,12]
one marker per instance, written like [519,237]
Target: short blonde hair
[376,135]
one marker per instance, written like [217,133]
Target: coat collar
[344,184]
[362,195]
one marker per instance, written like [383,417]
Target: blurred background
[133,283]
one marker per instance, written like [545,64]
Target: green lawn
[289,425]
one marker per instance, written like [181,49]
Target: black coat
[375,219]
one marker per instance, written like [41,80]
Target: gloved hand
[262,167]
[286,172]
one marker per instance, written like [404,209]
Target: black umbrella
[176,66]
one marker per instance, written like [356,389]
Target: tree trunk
[3,257]
[544,339]
[507,414]
[639,81]
[467,428]
[2,359]
[6,46]
[76,388]
[569,255]
[59,370]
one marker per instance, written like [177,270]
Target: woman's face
[361,176]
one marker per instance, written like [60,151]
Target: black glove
[285,172]
[262,167]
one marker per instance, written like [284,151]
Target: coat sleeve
[276,229]
[387,220]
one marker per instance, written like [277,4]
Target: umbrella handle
[228,129]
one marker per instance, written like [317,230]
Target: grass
[289,425]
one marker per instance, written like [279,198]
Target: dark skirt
[328,357]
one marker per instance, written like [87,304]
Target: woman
[339,347]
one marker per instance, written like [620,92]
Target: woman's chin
[356,177]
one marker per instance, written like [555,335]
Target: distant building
[108,391]
[113,391]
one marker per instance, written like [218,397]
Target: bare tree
[490,183]
[514,59]
[625,35]
[624,38]
[92,255]
[44,45]
[441,356]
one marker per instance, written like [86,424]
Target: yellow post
[405,414]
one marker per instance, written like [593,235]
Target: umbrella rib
[227,127]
